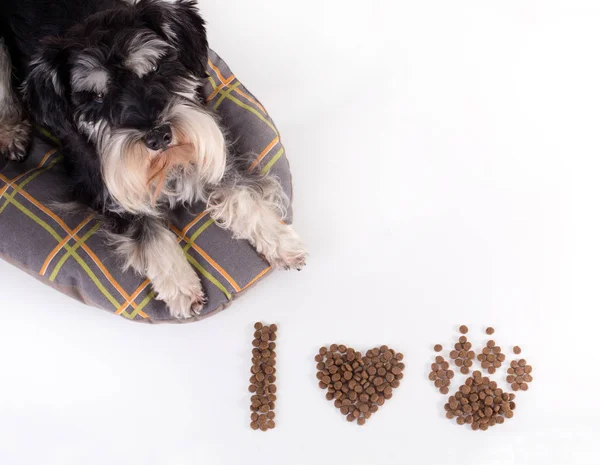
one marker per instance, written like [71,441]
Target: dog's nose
[159,138]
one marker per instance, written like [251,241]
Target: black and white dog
[117,83]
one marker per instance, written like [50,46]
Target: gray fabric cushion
[66,251]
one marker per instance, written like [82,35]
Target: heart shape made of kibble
[358,384]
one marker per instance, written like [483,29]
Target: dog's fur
[117,83]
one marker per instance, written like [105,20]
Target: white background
[445,158]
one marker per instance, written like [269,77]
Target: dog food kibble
[463,329]
[462,353]
[359,384]
[262,381]
[519,375]
[437,347]
[441,374]
[491,357]
[480,403]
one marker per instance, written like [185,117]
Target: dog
[117,83]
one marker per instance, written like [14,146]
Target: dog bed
[66,251]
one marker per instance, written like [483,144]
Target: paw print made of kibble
[479,402]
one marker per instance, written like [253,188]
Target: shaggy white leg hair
[253,209]
[152,250]
[14,130]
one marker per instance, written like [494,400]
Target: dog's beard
[137,177]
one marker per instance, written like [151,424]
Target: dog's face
[127,81]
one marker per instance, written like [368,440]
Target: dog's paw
[14,140]
[187,304]
[182,291]
[289,252]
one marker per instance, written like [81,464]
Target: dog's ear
[47,86]
[180,24]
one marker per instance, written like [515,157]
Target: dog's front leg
[146,245]
[252,208]
[14,129]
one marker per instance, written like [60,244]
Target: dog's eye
[154,68]
[99,98]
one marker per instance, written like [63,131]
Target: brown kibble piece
[437,347]
[489,330]
[517,350]
[463,329]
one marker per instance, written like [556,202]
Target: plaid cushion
[66,252]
